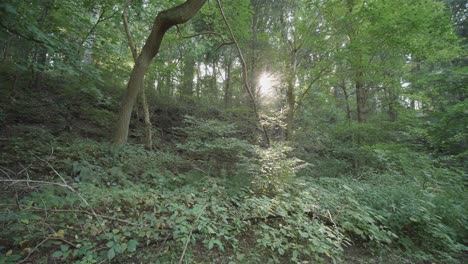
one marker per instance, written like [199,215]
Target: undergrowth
[81,201]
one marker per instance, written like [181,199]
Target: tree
[144,102]
[162,23]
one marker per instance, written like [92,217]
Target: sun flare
[267,83]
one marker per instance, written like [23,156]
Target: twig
[164,241]
[24,168]
[32,181]
[4,172]
[34,249]
[190,234]
[65,184]
[319,75]
[64,241]
[17,33]
[88,213]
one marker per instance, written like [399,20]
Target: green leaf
[295,254]
[132,244]
[111,254]
[57,254]
[281,251]
[117,248]
[64,248]
[210,244]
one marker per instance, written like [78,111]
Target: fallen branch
[87,213]
[64,184]
[190,234]
[34,249]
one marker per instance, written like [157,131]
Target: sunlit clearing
[267,83]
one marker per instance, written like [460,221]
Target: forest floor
[68,196]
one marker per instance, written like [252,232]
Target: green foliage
[390,184]
[274,170]
[213,145]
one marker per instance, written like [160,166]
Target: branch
[190,234]
[34,249]
[244,72]
[15,32]
[101,18]
[225,43]
[199,34]
[320,74]
[64,185]
[131,43]
[87,213]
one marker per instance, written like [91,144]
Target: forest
[233,131]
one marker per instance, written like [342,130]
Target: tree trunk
[148,141]
[245,78]
[214,82]
[361,98]
[346,96]
[41,67]
[163,22]
[227,84]
[199,81]
[146,113]
[254,71]
[187,82]
[291,97]
[392,101]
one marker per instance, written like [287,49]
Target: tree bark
[148,141]
[199,81]
[392,102]
[346,96]
[291,97]
[214,82]
[187,82]
[227,83]
[162,23]
[361,98]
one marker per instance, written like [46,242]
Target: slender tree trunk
[348,116]
[214,82]
[346,96]
[6,48]
[148,141]
[199,81]
[254,71]
[170,85]
[227,83]
[163,22]
[187,82]
[41,65]
[160,85]
[291,97]
[361,98]
[245,78]
[392,101]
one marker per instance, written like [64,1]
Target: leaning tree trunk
[148,141]
[163,22]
